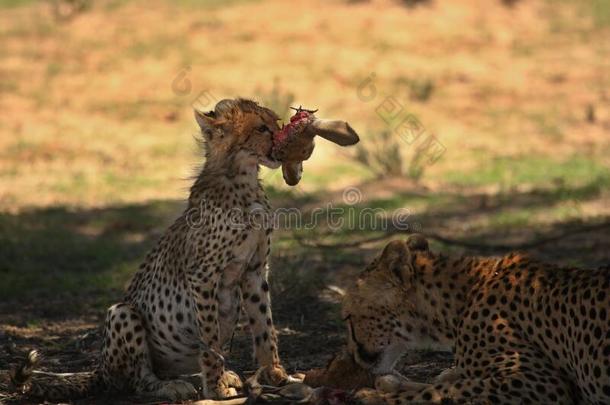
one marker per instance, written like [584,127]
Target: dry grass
[96,112]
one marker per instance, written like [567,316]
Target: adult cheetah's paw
[367,396]
[448,375]
[176,390]
[390,382]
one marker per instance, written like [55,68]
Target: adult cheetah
[183,303]
[523,332]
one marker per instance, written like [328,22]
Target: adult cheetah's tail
[53,386]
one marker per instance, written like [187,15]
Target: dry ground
[96,146]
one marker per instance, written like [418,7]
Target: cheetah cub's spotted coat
[523,332]
[183,304]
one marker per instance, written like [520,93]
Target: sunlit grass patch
[532,170]
[515,218]
[15,3]
[135,109]
[597,11]
[601,12]
[212,3]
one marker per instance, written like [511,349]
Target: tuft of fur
[21,376]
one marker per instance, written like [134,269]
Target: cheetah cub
[182,305]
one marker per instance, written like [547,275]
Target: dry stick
[234,401]
[456,242]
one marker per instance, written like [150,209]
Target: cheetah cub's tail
[54,386]
[22,375]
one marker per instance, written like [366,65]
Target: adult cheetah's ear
[417,242]
[395,258]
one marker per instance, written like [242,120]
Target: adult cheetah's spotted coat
[182,305]
[523,332]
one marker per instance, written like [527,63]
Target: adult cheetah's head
[381,309]
[239,129]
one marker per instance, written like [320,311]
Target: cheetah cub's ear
[213,122]
[396,259]
[208,122]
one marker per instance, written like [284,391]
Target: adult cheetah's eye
[263,128]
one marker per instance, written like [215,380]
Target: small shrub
[417,89]
[415,3]
[277,99]
[421,89]
[387,155]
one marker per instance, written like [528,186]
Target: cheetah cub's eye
[263,128]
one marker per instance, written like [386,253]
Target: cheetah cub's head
[239,132]
[381,310]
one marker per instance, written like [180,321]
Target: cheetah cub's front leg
[257,304]
[217,382]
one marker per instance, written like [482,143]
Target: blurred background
[510,99]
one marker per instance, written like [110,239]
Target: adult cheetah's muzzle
[363,356]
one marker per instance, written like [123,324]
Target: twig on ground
[463,243]
[358,243]
[232,401]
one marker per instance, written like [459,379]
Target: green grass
[521,217]
[533,170]
[211,3]
[113,4]
[15,3]
[59,251]
[133,110]
[547,124]
[600,9]
[157,46]
[62,252]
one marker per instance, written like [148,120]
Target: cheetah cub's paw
[175,390]
[273,375]
[223,392]
[229,384]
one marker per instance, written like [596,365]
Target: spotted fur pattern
[523,332]
[183,303]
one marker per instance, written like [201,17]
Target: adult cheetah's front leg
[257,304]
[509,388]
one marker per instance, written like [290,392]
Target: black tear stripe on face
[366,356]
[413,267]
[396,269]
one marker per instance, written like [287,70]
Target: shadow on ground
[61,267]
